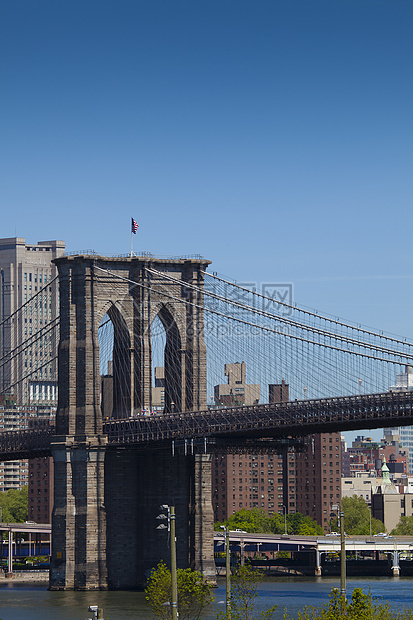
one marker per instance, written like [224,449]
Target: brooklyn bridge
[113,472]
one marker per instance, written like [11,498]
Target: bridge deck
[327,544]
[276,421]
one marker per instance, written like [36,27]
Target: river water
[33,602]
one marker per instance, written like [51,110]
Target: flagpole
[134,227]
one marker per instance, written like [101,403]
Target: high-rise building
[318,475]
[158,391]
[41,471]
[28,281]
[248,481]
[307,481]
[14,474]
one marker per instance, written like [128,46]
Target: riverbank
[20,577]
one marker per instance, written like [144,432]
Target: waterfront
[35,602]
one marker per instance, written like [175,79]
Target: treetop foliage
[361,607]
[357,517]
[258,521]
[404,527]
[14,505]
[244,592]
[194,594]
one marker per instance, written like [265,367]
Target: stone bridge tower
[106,500]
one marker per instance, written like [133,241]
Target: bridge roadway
[33,545]
[322,544]
[276,421]
[243,542]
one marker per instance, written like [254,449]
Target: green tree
[244,592]
[303,525]
[277,524]
[258,521]
[194,594]
[254,520]
[14,505]
[357,517]
[360,607]
[404,527]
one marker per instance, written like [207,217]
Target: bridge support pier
[317,569]
[396,565]
[137,484]
[79,520]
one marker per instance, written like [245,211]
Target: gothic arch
[122,364]
[172,359]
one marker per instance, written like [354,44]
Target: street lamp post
[285,519]
[174,579]
[228,573]
[342,561]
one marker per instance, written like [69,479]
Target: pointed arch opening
[115,365]
[166,361]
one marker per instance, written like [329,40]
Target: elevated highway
[319,547]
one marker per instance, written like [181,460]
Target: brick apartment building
[40,502]
[318,476]
[308,482]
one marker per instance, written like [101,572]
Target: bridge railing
[293,418]
[276,421]
[26,443]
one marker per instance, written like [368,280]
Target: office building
[28,281]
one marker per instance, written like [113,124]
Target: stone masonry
[104,526]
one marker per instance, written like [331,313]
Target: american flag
[134,226]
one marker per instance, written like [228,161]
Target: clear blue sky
[273,137]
